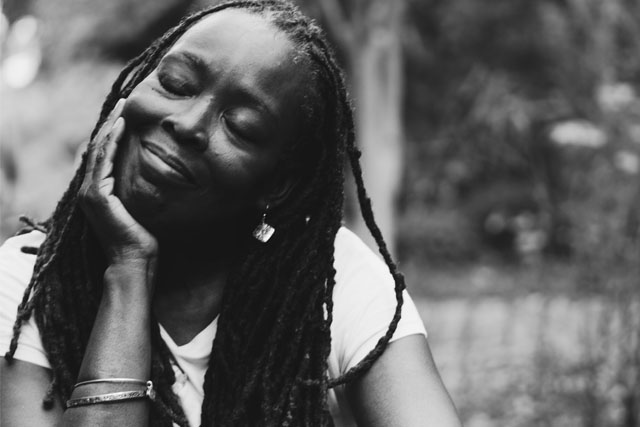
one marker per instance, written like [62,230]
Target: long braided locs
[268,364]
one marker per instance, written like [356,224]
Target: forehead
[244,53]
[238,41]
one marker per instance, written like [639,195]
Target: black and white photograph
[300,213]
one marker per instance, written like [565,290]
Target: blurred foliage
[504,101]
[115,29]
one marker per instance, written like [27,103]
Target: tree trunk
[376,66]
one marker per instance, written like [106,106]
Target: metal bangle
[113,397]
[111,380]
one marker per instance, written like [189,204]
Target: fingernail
[119,104]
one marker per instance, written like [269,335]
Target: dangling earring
[264,231]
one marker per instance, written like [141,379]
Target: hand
[122,238]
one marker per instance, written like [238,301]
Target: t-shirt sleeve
[16,269]
[364,302]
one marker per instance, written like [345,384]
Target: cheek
[143,106]
[245,169]
[235,173]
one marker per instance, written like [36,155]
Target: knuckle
[83,193]
[100,155]
[89,195]
[104,186]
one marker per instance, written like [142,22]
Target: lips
[170,160]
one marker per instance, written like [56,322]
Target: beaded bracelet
[113,397]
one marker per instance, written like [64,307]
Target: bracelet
[111,380]
[113,397]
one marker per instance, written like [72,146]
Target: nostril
[168,126]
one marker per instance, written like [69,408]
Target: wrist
[134,255]
[130,279]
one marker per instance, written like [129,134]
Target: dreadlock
[268,364]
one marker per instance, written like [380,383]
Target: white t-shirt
[364,302]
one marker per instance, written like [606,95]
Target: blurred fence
[539,360]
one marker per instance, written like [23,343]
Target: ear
[277,192]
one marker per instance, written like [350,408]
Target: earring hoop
[263,231]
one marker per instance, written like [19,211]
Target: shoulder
[346,240]
[16,269]
[364,302]
[31,238]
[361,274]
[352,255]
[16,266]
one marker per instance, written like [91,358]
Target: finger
[92,149]
[110,121]
[114,114]
[102,214]
[106,152]
[117,111]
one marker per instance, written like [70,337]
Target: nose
[190,126]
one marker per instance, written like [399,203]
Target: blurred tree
[369,37]
[116,29]
[13,9]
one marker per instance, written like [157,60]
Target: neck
[192,275]
[187,260]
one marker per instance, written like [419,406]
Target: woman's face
[206,129]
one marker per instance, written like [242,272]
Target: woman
[236,120]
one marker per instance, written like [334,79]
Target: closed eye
[175,84]
[243,126]
[176,76]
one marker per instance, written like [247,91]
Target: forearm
[119,347]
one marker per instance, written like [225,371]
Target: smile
[166,163]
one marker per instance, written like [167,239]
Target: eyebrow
[194,60]
[202,68]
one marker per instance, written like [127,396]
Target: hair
[268,363]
